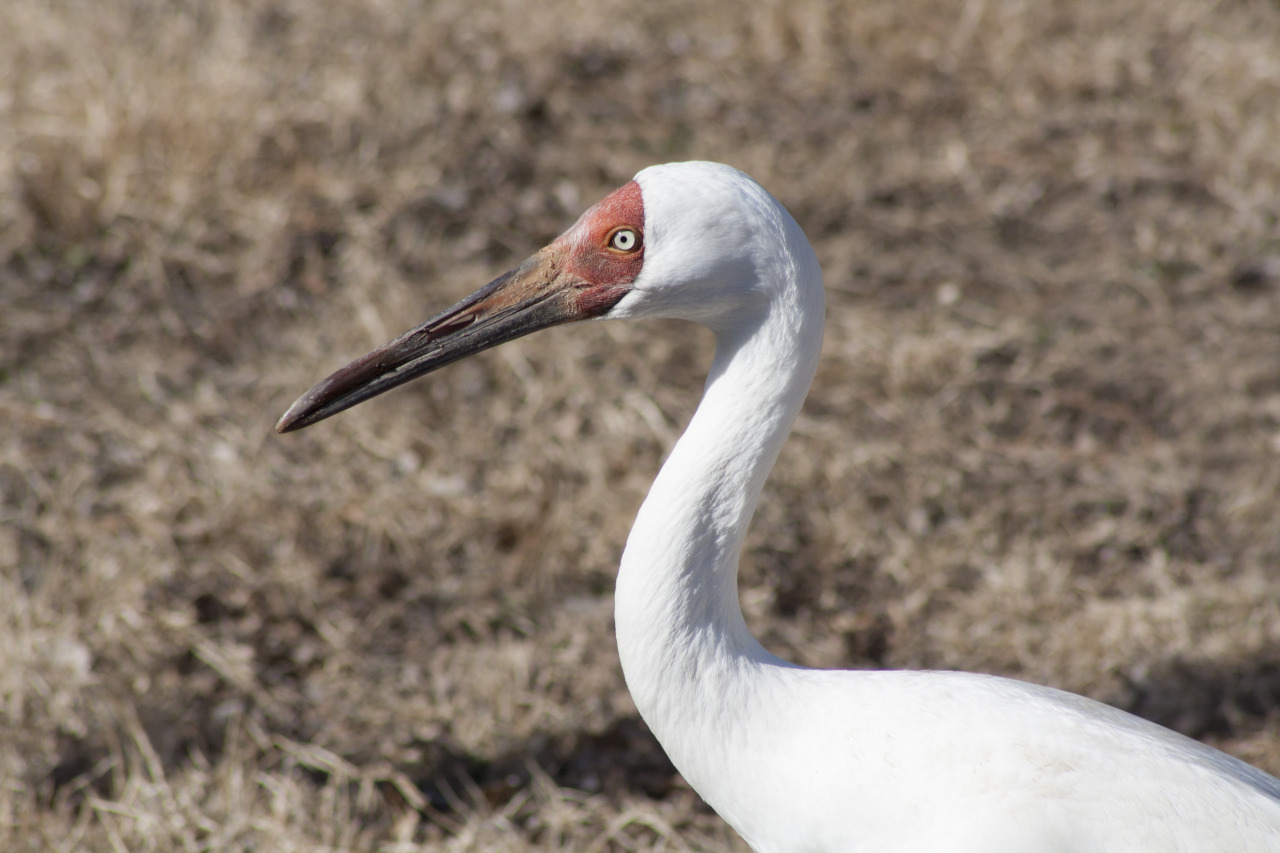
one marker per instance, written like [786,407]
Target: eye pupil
[624,240]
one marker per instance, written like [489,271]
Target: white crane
[798,759]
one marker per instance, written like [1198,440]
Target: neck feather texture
[686,653]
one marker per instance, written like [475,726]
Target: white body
[807,760]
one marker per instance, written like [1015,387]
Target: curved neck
[681,636]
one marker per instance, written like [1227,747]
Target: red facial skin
[606,273]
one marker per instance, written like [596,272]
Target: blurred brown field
[1044,440]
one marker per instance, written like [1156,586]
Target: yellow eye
[624,240]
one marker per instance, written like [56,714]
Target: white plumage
[798,759]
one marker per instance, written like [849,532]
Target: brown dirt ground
[1044,440]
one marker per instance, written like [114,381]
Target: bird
[798,759]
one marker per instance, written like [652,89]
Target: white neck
[684,647]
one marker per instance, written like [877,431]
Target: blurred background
[1044,439]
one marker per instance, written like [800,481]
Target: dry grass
[1044,440]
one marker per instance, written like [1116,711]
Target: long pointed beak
[537,294]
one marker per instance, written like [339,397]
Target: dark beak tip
[296,417]
[286,423]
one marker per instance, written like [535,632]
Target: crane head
[694,241]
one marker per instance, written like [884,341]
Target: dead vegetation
[1044,440]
